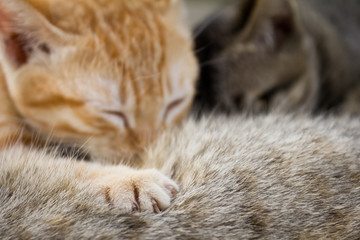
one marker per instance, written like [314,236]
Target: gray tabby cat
[300,55]
[269,177]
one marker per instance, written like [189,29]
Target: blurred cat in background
[103,75]
[289,55]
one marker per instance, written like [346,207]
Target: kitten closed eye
[118,115]
[172,107]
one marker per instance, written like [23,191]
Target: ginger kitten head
[106,74]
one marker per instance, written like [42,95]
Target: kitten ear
[24,32]
[271,23]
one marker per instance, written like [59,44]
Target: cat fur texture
[266,177]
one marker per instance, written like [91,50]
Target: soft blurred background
[199,9]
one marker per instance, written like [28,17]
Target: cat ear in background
[270,24]
[24,32]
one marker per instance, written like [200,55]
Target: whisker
[203,48]
[201,28]
[48,139]
[213,61]
[81,152]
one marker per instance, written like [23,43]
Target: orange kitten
[107,75]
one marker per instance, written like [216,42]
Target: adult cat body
[258,55]
[266,177]
[103,75]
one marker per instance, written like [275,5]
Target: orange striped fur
[107,75]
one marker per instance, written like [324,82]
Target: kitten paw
[140,190]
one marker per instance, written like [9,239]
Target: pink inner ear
[15,51]
[13,43]
[19,47]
